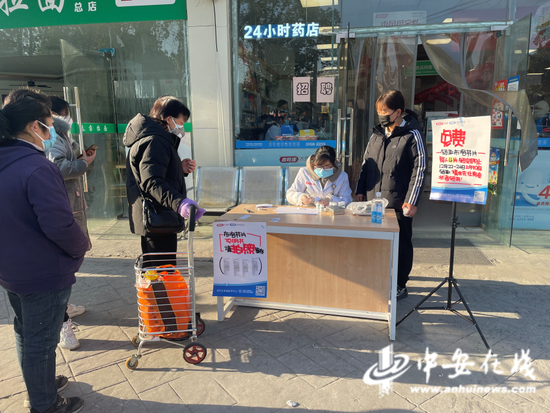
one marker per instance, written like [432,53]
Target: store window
[285,65]
[119,68]
[532,205]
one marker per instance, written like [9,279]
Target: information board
[240,259]
[460,164]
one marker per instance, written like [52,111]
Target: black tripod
[451,282]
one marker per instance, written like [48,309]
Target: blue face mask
[323,173]
[53,137]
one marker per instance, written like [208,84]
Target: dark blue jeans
[37,324]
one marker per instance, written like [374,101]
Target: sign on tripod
[460,163]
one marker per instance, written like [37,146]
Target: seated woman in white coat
[322,180]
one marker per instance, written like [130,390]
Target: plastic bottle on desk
[377,209]
[374,213]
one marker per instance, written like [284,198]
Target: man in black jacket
[394,165]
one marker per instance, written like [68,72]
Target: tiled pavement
[260,359]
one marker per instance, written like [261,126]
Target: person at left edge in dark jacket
[394,164]
[155,170]
[41,247]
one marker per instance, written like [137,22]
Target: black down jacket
[394,165]
[154,163]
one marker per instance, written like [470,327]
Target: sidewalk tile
[118,398]
[163,399]
[353,395]
[461,403]
[101,378]
[267,383]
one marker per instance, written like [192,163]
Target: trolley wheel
[136,341]
[131,363]
[194,353]
[200,325]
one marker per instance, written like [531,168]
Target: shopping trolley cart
[165,284]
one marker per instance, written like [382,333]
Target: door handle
[80,128]
[508,136]
[351,139]
[344,134]
[339,133]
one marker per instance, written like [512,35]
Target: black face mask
[385,119]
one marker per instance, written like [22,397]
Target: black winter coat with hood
[394,165]
[153,163]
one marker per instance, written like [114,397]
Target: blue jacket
[41,245]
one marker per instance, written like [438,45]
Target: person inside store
[156,176]
[41,248]
[541,115]
[63,153]
[272,127]
[394,164]
[322,180]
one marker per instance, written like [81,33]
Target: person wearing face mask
[322,180]
[394,164]
[542,120]
[156,174]
[41,247]
[275,129]
[63,153]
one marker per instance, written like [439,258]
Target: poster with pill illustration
[240,259]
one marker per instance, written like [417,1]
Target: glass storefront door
[369,66]
[490,69]
[90,73]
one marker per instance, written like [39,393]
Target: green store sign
[112,128]
[41,13]
[423,68]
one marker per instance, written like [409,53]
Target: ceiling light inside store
[448,20]
[535,74]
[327,29]
[439,41]
[318,3]
[329,58]
[327,46]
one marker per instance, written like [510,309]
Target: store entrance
[427,69]
[61,68]
[369,66]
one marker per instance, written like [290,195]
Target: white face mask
[178,130]
[68,119]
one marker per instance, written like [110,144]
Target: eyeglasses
[326,167]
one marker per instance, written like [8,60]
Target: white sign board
[301,89]
[460,163]
[325,90]
[240,259]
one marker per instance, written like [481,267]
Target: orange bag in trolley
[165,304]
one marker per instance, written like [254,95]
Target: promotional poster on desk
[460,171]
[240,259]
[532,209]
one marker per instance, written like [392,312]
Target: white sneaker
[75,310]
[67,339]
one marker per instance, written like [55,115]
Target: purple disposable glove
[183,209]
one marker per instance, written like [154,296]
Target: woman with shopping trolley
[156,191]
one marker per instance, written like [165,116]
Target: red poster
[497,118]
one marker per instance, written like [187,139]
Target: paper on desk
[296,210]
